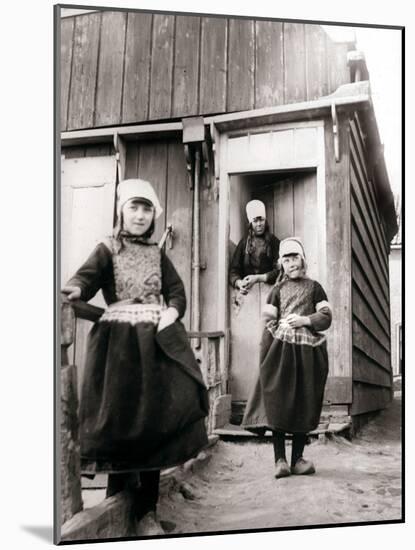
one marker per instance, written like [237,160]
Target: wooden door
[291,205]
[87,216]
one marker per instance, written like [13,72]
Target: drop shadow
[43,532]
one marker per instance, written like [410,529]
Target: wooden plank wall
[124,67]
[372,373]
[338,253]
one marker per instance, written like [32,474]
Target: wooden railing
[207,354]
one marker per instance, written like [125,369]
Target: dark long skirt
[143,399]
[289,390]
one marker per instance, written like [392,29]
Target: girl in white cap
[143,400]
[255,258]
[288,393]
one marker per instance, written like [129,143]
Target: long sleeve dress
[143,401]
[261,261]
[289,388]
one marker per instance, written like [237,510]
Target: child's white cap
[137,189]
[292,245]
[255,209]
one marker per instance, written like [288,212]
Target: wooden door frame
[318,164]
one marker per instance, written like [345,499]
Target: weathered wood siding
[124,67]
[370,286]
[338,254]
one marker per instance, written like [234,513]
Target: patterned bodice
[137,273]
[296,296]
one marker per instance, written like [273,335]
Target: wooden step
[233,431]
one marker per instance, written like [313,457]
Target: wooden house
[215,111]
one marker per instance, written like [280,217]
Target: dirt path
[236,489]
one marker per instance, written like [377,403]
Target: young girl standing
[288,393]
[143,400]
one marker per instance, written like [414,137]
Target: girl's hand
[168,317]
[73,292]
[249,281]
[240,285]
[297,321]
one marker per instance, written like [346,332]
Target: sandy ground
[235,488]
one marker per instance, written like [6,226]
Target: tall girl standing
[143,400]
[288,393]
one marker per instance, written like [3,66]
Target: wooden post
[70,467]
[205,346]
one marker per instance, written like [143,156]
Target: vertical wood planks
[305,219]
[67,27]
[209,212]
[294,60]
[152,166]
[269,64]
[213,65]
[110,69]
[137,67]
[84,71]
[316,62]
[186,66]
[161,66]
[241,65]
[284,209]
[179,209]
[338,239]
[157,66]
[339,72]
[131,160]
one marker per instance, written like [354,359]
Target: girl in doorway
[288,393]
[143,400]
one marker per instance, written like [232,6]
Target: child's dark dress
[143,399]
[288,393]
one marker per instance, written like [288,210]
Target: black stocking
[299,441]
[278,441]
[148,493]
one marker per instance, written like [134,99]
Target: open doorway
[290,199]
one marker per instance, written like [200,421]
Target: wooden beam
[129,133]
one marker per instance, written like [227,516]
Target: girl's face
[293,266]
[137,216]
[258,225]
